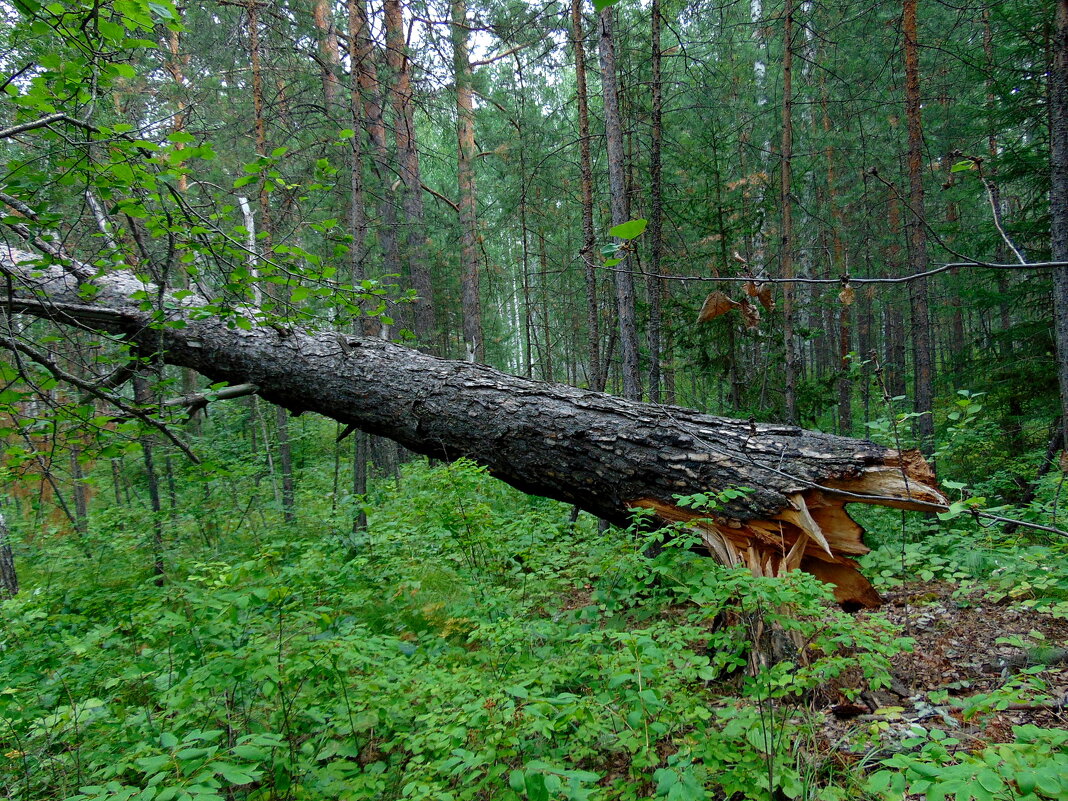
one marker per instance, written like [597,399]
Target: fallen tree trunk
[604,454]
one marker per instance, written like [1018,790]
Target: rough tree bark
[1058,198]
[359,53]
[9,579]
[424,317]
[329,57]
[374,97]
[654,284]
[143,395]
[922,344]
[175,65]
[895,321]
[595,376]
[786,252]
[605,454]
[625,303]
[838,262]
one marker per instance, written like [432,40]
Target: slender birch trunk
[471,305]
[275,291]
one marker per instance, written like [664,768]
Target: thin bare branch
[59,373]
[454,206]
[499,56]
[200,399]
[850,279]
[44,122]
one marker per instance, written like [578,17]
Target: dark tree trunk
[786,254]
[922,344]
[654,284]
[9,579]
[360,448]
[358,52]
[374,98]
[1058,110]
[625,305]
[595,376]
[605,454]
[424,317]
[845,340]
[895,323]
[143,395]
[996,203]
[80,491]
[175,65]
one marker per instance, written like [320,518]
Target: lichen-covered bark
[603,453]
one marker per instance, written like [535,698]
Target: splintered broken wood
[814,533]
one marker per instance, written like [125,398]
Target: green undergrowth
[986,565]
[471,643]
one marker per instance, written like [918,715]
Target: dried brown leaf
[765,298]
[750,314]
[761,292]
[847,295]
[715,304]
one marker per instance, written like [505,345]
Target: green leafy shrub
[472,644]
[1032,767]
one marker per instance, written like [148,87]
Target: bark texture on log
[604,454]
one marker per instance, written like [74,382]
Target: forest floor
[966,648]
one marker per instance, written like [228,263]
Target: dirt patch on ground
[956,661]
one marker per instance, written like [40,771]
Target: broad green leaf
[535,787]
[628,230]
[517,781]
[123,70]
[233,773]
[162,11]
